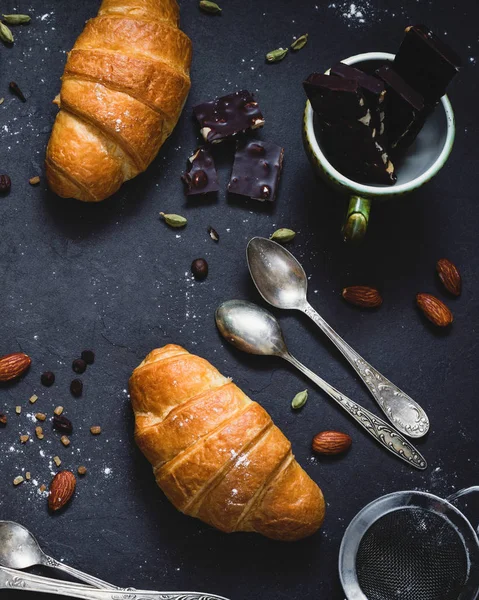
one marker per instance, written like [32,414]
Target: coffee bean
[48,378]
[5,184]
[61,423]
[88,356]
[199,268]
[79,365]
[76,387]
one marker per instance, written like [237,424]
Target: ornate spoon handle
[406,414]
[381,431]
[12,579]
[48,561]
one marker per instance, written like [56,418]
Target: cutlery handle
[12,579]
[405,414]
[48,561]
[381,431]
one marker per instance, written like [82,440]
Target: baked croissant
[123,89]
[216,454]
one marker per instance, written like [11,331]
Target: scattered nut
[24,438]
[82,470]
[18,480]
[28,475]
[61,490]
[64,440]
[39,433]
[95,429]
[363,296]
[18,409]
[450,276]
[47,378]
[40,417]
[58,410]
[34,180]
[33,399]
[13,365]
[3,419]
[42,488]
[57,460]
[434,310]
[331,442]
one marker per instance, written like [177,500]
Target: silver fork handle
[381,431]
[406,414]
[48,561]
[12,579]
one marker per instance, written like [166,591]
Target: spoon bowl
[18,547]
[278,276]
[250,328]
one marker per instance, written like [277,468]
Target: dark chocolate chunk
[201,176]
[256,170]
[228,115]
[405,112]
[426,63]
[334,97]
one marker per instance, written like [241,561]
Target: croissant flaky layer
[124,86]
[216,454]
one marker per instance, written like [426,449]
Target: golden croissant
[124,86]
[216,454]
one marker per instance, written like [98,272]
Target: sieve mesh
[412,554]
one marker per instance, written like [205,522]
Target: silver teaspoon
[19,550]
[282,282]
[254,330]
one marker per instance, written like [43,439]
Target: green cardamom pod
[174,220]
[299,42]
[16,19]
[299,400]
[210,7]
[283,235]
[5,34]
[276,55]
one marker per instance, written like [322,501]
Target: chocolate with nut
[256,170]
[228,115]
[405,109]
[201,176]
[335,98]
[426,63]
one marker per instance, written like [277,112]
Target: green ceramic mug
[422,161]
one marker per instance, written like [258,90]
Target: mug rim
[370,190]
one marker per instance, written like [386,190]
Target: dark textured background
[114,278]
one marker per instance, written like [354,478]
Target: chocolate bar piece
[405,109]
[334,97]
[256,170]
[201,176]
[426,63]
[228,115]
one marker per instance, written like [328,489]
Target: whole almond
[61,490]
[434,310]
[449,275]
[13,365]
[362,295]
[331,442]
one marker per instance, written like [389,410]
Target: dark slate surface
[114,278]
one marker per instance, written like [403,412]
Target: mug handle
[357,219]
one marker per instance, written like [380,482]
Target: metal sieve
[410,546]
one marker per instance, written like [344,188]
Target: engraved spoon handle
[405,414]
[381,431]
[48,561]
[13,579]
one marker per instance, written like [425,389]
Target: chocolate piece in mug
[256,170]
[426,62]
[335,98]
[405,112]
[228,115]
[201,176]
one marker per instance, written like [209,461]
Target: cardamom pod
[283,235]
[5,34]
[276,55]
[210,7]
[16,19]
[300,42]
[299,400]
[174,220]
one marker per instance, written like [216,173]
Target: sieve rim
[384,505]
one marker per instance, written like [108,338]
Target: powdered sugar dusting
[362,13]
